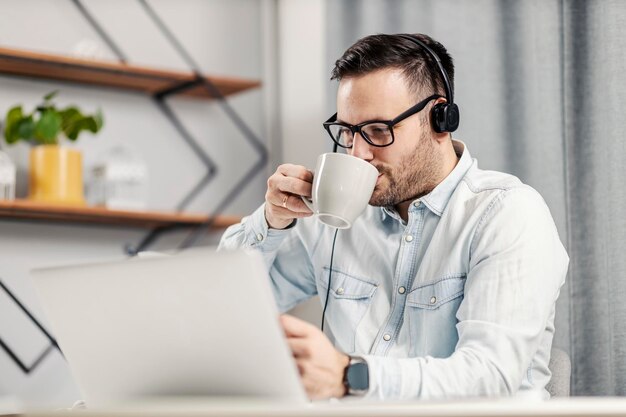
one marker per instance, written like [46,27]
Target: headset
[445,118]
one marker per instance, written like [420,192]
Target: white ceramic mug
[342,187]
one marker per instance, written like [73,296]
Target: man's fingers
[284,213]
[294,203]
[279,217]
[290,202]
[293,186]
[300,347]
[296,171]
[294,327]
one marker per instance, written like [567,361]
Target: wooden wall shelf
[111,74]
[28,210]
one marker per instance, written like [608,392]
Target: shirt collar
[437,199]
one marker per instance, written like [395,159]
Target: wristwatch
[356,378]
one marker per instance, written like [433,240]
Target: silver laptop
[199,323]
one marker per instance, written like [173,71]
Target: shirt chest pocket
[431,316]
[349,300]
[347,287]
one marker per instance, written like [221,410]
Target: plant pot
[56,175]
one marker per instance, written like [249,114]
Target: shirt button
[401,290]
[387,337]
[416,203]
[339,291]
[259,237]
[408,238]
[433,299]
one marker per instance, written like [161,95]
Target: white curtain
[542,92]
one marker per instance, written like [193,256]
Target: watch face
[358,377]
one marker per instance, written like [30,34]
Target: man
[446,285]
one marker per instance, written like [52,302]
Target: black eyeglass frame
[390,123]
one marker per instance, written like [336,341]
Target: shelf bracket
[179,88]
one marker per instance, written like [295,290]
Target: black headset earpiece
[445,116]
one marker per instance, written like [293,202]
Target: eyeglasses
[375,132]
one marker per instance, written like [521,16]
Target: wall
[303,89]
[304,77]
[224,37]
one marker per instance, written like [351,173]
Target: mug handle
[309,203]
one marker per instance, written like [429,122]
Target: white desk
[597,406]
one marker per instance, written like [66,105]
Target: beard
[414,177]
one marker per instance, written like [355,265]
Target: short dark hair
[381,51]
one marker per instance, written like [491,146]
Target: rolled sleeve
[253,232]
[288,264]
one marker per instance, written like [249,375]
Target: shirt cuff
[258,233]
[386,376]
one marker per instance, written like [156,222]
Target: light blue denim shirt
[459,301]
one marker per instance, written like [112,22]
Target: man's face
[409,167]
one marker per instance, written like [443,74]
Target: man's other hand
[321,366]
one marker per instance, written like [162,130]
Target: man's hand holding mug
[283,202]
[338,194]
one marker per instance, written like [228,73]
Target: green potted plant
[55,172]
